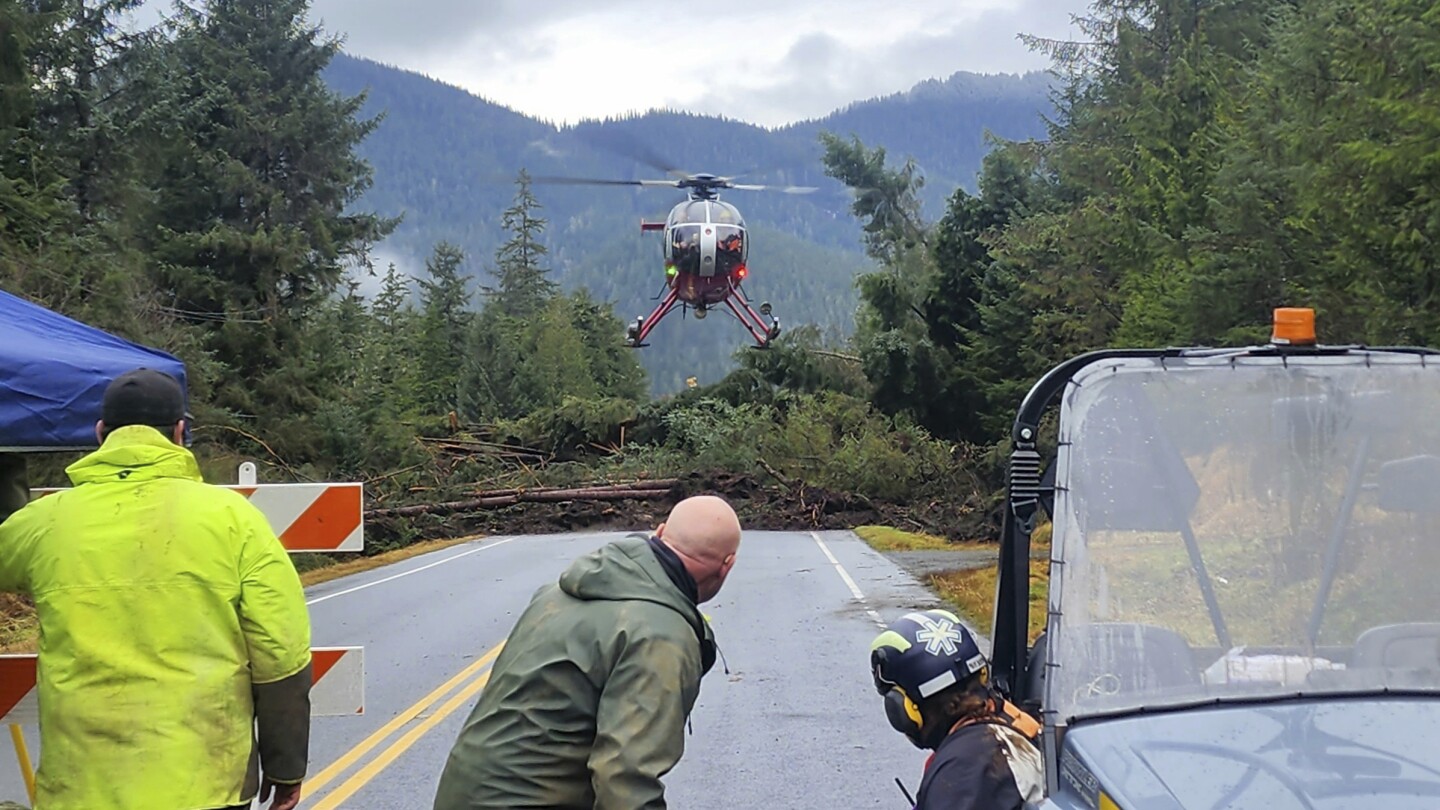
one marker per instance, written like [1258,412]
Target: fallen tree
[508,497]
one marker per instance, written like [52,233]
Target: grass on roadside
[972,592]
[19,630]
[888,538]
[17,624]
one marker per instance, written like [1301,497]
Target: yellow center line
[353,755]
[373,768]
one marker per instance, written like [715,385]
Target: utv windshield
[1237,527]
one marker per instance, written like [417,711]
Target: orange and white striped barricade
[337,685]
[306,517]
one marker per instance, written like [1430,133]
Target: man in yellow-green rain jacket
[173,626]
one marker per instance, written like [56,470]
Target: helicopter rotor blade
[593,181]
[781,189]
[766,168]
[628,145]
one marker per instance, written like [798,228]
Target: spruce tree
[390,353]
[253,223]
[444,322]
[523,287]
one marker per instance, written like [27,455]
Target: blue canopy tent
[53,372]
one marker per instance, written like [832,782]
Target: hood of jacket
[627,570]
[134,453]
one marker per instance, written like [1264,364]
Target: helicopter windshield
[701,212]
[696,211]
[684,248]
[722,213]
[729,248]
[707,238]
[1239,527]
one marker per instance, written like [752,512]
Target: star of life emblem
[939,636]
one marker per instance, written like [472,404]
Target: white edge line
[317,600]
[849,580]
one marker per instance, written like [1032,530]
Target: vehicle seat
[1142,657]
[1031,693]
[1398,646]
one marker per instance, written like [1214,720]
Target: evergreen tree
[493,354]
[71,195]
[906,371]
[390,354]
[523,286]
[88,101]
[613,366]
[529,348]
[30,196]
[444,323]
[252,227]
[555,364]
[887,201]
[1334,169]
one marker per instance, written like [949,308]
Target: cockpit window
[695,211]
[729,248]
[685,248]
[725,214]
[706,211]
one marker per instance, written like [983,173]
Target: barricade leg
[22,755]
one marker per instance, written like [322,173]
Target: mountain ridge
[1002,84]
[444,158]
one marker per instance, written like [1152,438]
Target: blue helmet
[917,657]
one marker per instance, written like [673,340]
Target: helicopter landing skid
[636,334]
[753,322]
[755,325]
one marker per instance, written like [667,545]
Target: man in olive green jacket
[587,703]
[172,624]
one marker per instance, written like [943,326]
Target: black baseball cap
[143,397]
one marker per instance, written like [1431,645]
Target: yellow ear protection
[902,712]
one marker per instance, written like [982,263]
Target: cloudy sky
[764,61]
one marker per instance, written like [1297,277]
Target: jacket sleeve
[17,548]
[640,723]
[282,720]
[14,484]
[276,624]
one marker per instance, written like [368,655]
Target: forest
[444,161]
[200,187]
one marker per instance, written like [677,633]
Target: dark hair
[966,700]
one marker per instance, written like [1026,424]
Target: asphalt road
[795,723]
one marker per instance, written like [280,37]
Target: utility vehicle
[1244,576]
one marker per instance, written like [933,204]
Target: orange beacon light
[1294,327]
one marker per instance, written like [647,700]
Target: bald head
[705,533]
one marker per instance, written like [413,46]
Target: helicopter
[706,248]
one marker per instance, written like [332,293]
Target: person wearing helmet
[936,685]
